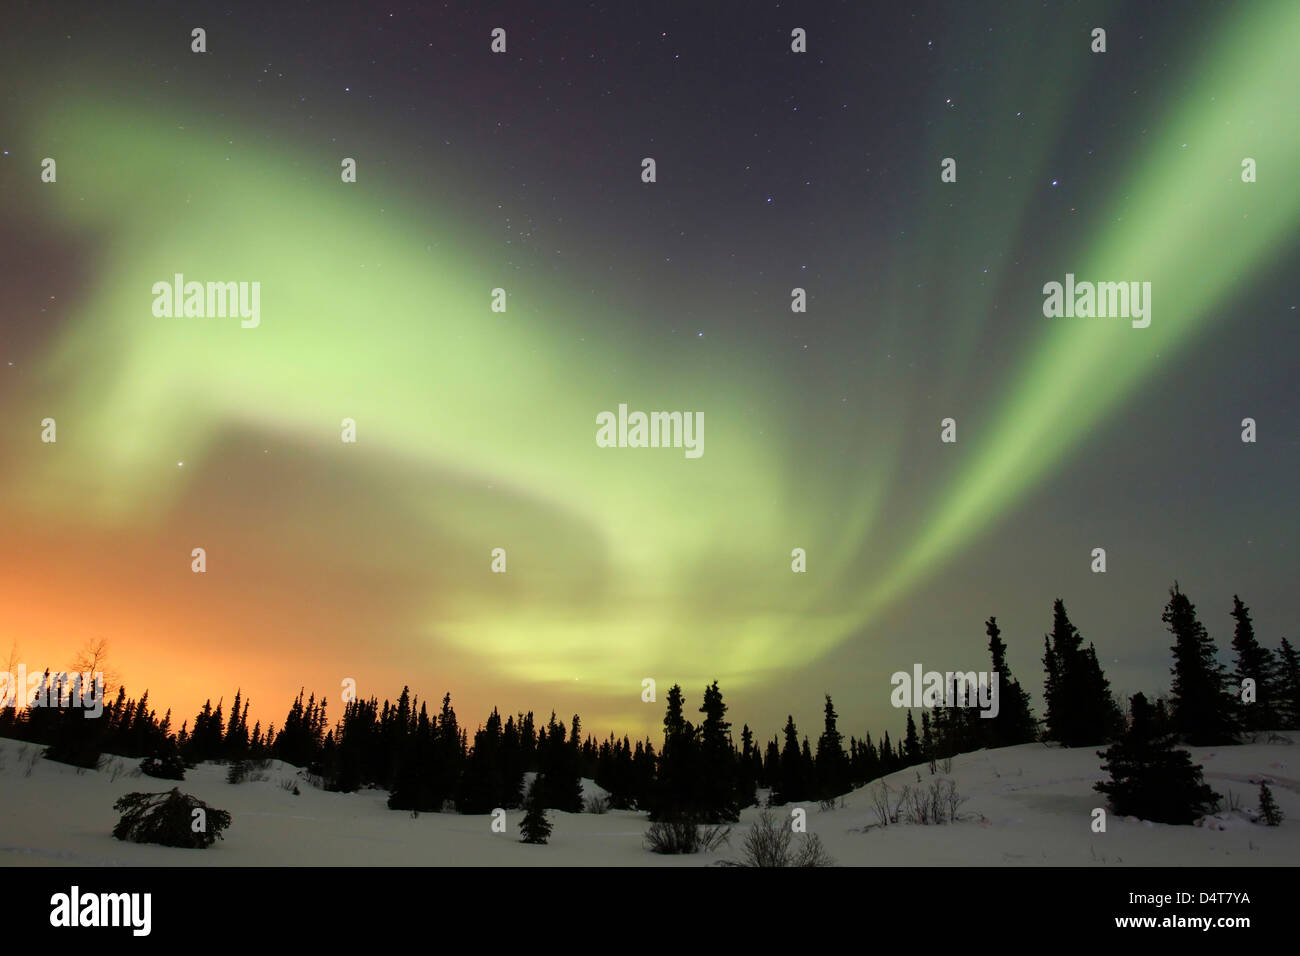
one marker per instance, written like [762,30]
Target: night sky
[476,429]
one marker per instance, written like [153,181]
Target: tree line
[427,761]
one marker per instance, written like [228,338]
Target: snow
[1026,805]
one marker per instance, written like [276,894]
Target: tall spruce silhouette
[832,762]
[676,795]
[911,742]
[790,776]
[1014,722]
[1080,709]
[1254,662]
[717,765]
[1201,709]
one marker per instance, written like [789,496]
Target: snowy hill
[1026,805]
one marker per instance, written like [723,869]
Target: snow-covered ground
[1026,805]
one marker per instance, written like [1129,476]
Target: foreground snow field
[1027,805]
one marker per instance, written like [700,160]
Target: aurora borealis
[475,429]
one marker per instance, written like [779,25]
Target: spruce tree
[1253,662]
[911,743]
[808,770]
[718,769]
[790,781]
[1200,707]
[1080,709]
[1014,723]
[772,772]
[1289,685]
[644,783]
[676,789]
[535,827]
[1149,778]
[235,746]
[446,749]
[1103,715]
[870,756]
[1062,649]
[482,787]
[1268,808]
[751,769]
[832,764]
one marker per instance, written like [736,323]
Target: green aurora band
[479,427]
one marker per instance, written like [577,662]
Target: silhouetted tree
[718,778]
[535,827]
[1149,778]
[1080,708]
[1200,707]
[1014,723]
[1256,663]
[1289,685]
[832,763]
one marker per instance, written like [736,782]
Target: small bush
[75,751]
[936,804]
[769,845]
[168,819]
[596,804]
[684,835]
[237,772]
[163,767]
[886,808]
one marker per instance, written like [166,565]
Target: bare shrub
[885,807]
[769,845]
[934,805]
[684,836]
[952,799]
